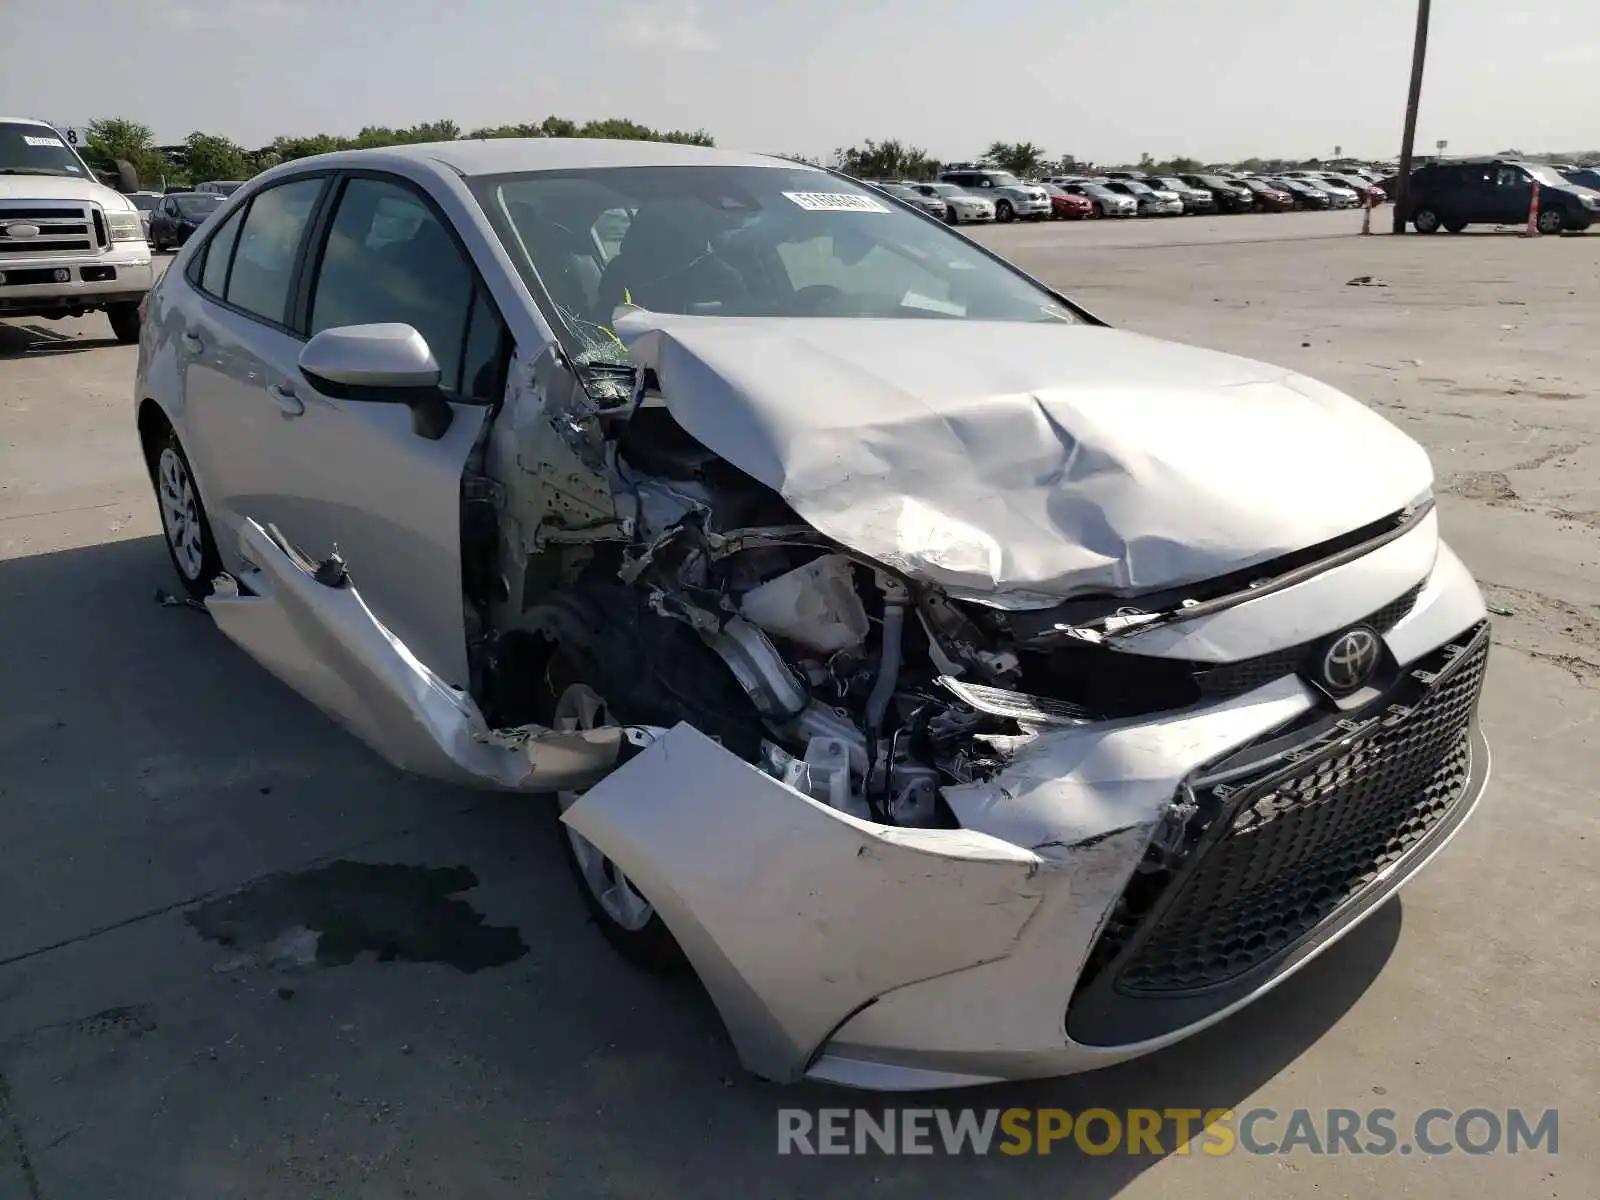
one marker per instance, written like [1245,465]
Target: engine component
[894,620]
[815,605]
[913,792]
[774,689]
[824,775]
[818,720]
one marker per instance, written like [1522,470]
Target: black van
[1496,191]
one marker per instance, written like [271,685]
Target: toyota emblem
[1350,660]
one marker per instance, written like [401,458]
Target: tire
[1425,220]
[1454,226]
[185,528]
[1552,220]
[1099,210]
[124,320]
[1003,212]
[643,669]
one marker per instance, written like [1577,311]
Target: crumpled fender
[793,914]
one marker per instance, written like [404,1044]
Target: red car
[1064,206]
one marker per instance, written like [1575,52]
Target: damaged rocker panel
[318,636]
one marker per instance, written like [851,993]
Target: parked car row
[974,193]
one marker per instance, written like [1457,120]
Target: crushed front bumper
[1113,889]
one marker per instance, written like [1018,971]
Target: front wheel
[1003,212]
[124,320]
[615,662]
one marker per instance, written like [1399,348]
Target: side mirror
[382,364]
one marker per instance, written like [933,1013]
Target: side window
[389,258]
[1510,177]
[219,253]
[482,352]
[263,263]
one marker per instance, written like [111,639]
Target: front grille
[69,228]
[1273,857]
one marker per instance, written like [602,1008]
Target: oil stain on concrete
[328,915]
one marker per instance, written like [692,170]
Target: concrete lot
[151,1046]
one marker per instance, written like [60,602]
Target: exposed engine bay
[875,688]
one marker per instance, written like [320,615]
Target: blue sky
[1101,79]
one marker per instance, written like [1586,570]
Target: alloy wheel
[180,514]
[580,707]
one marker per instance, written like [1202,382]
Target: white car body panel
[1021,464]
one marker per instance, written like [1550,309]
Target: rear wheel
[1551,220]
[1454,226]
[184,524]
[1425,220]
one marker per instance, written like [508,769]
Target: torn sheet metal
[794,915]
[325,643]
[1066,787]
[1018,464]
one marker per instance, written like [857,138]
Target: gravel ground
[166,810]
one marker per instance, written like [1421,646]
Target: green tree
[1020,158]
[109,139]
[210,156]
[890,159]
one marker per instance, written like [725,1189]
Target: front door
[1513,195]
[357,475]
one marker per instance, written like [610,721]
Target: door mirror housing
[385,364]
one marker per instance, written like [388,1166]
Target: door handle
[193,342]
[291,404]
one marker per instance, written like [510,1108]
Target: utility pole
[1419,53]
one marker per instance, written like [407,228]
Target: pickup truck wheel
[124,320]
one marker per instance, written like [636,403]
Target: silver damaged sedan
[963,688]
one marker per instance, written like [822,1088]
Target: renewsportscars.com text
[1215,1132]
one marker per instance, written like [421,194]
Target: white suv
[1012,198]
[68,244]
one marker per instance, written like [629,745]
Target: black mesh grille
[1283,853]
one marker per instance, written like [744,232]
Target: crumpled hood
[1019,464]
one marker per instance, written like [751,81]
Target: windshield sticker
[837,202]
[43,141]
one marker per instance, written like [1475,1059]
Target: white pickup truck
[68,243]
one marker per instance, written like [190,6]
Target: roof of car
[497,156]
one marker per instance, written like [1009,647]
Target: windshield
[198,205]
[37,150]
[1093,189]
[1003,179]
[947,190]
[1216,181]
[1173,185]
[1134,186]
[738,242]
